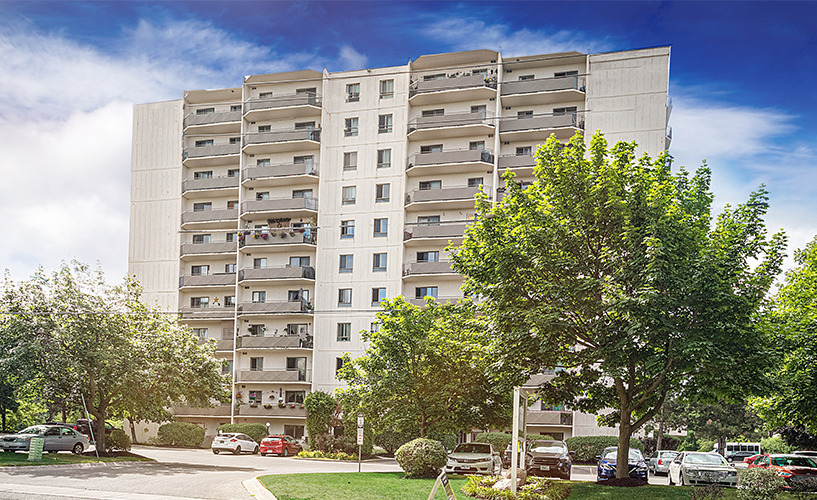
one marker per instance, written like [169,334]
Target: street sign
[359,420]
[442,479]
[35,449]
[360,435]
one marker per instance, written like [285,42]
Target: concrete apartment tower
[276,215]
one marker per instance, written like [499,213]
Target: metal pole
[359,452]
[515,433]
[90,424]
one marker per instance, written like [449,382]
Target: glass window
[299,261]
[524,78]
[524,114]
[202,270]
[566,73]
[296,397]
[302,193]
[379,262]
[353,92]
[264,95]
[304,125]
[235,107]
[235,140]
[436,76]
[475,182]
[201,333]
[374,327]
[203,175]
[429,185]
[382,193]
[564,111]
[344,297]
[202,207]
[378,296]
[386,89]
[257,330]
[476,145]
[204,143]
[259,297]
[523,151]
[384,124]
[232,204]
[349,195]
[229,301]
[431,148]
[256,364]
[479,109]
[422,292]
[259,263]
[233,172]
[205,111]
[350,130]
[229,268]
[346,263]
[433,112]
[347,229]
[201,238]
[350,160]
[383,158]
[199,302]
[264,128]
[428,219]
[344,332]
[338,365]
[381,227]
[263,162]
[262,196]
[428,256]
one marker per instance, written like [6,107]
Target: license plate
[544,467]
[465,466]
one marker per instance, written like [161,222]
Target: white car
[690,468]
[234,442]
[473,458]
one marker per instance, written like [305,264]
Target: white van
[736,452]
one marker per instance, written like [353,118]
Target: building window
[429,185]
[379,262]
[229,268]
[564,111]
[232,237]
[226,367]
[235,140]
[566,73]
[382,193]
[431,148]
[475,182]
[256,364]
[203,175]
[381,227]
[350,130]
[482,110]
[298,295]
[296,431]
[202,207]
[201,333]
[349,195]
[235,107]
[384,124]
[296,397]
[383,158]
[259,297]
[433,112]
[297,329]
[435,76]
[347,263]
[428,219]
[524,78]
[347,229]
[422,292]
[428,256]
[259,263]
[257,330]
[264,95]
[229,301]
[232,204]
[339,362]
[374,326]
[201,238]
[233,172]
[305,126]
[255,396]
[523,151]
[263,162]
[301,193]
[350,160]
[264,128]
[386,89]
[202,270]
[344,332]
[204,143]
[476,145]
[344,297]
[353,92]
[262,196]
[299,261]
[378,296]
[521,115]
[205,111]
[199,302]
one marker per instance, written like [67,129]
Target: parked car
[606,469]
[280,445]
[82,426]
[507,455]
[234,442]
[660,460]
[749,460]
[691,468]
[473,458]
[807,453]
[56,438]
[549,458]
[791,467]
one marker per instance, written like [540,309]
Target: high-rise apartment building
[275,216]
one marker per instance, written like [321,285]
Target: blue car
[607,465]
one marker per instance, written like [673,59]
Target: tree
[104,344]
[721,420]
[425,371]
[320,407]
[792,318]
[608,267]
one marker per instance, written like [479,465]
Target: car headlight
[606,466]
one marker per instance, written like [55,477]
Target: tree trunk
[624,433]
[132,431]
[659,438]
[3,410]
[63,412]
[722,445]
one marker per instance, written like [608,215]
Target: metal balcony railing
[210,215]
[276,307]
[283,272]
[277,204]
[208,248]
[573,82]
[280,170]
[453,156]
[215,312]
[417,268]
[214,150]
[444,194]
[455,82]
[275,376]
[542,122]
[283,101]
[212,118]
[284,236]
[435,230]
[271,409]
[451,120]
[282,136]
[516,161]
[563,418]
[209,183]
[220,279]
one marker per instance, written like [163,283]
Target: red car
[280,445]
[749,460]
[792,468]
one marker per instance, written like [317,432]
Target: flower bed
[535,488]
[327,455]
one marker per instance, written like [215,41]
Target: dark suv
[83,427]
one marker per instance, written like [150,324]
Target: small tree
[320,407]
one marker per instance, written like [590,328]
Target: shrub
[775,445]
[706,445]
[708,492]
[535,488]
[181,434]
[421,457]
[499,440]
[759,484]
[667,443]
[327,455]
[587,447]
[804,490]
[390,440]
[255,431]
[320,407]
[117,441]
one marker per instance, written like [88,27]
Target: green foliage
[719,421]
[613,267]
[759,484]
[706,445]
[587,447]
[798,437]
[535,488]
[775,445]
[426,371]
[499,440]
[182,434]
[117,441]
[256,431]
[804,489]
[320,407]
[390,439]
[708,492]
[339,455]
[351,407]
[421,457]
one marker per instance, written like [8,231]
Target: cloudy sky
[742,81]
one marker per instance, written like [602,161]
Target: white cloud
[351,59]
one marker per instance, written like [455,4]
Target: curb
[257,490]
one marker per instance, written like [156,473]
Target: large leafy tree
[426,371]
[720,420]
[609,267]
[793,319]
[79,337]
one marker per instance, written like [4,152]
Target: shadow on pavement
[118,469]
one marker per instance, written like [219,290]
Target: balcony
[288,342]
[282,106]
[215,312]
[277,237]
[282,141]
[223,247]
[277,273]
[452,125]
[543,90]
[209,184]
[277,307]
[200,156]
[455,197]
[441,300]
[445,162]
[521,164]
[210,217]
[302,207]
[452,89]
[221,279]
[224,345]
[283,173]
[274,411]
[277,376]
[539,128]
[555,418]
[413,269]
[421,232]
[214,123]
[188,411]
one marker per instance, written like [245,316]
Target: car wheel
[77,449]
[286,451]
[255,451]
[497,469]
[237,450]
[215,452]
[681,479]
[52,451]
[263,454]
[669,476]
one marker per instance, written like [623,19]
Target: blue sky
[741,79]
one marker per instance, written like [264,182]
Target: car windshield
[793,462]
[633,455]
[705,459]
[36,429]
[274,438]
[545,447]
[472,448]
[227,435]
[669,454]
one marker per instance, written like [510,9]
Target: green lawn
[12,459]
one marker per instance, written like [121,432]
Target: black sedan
[608,463]
[549,458]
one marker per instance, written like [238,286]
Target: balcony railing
[445,194]
[573,82]
[207,280]
[279,204]
[451,83]
[564,418]
[435,230]
[454,156]
[417,268]
[517,161]
[224,345]
[208,248]
[261,410]
[277,307]
[214,150]
[282,136]
[283,272]
[214,312]
[275,376]
[442,300]
[282,101]
[212,118]
[450,120]
[210,183]
[285,236]
[541,122]
[210,215]
[218,411]
[288,342]
[281,170]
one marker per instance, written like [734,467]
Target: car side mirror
[598,458]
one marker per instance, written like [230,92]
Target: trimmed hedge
[327,455]
[256,431]
[759,484]
[421,457]
[181,434]
[117,440]
[587,447]
[500,440]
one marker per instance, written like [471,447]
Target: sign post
[359,438]
[442,479]
[35,449]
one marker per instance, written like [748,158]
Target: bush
[775,445]
[535,488]
[390,440]
[667,443]
[181,434]
[320,407]
[499,440]
[706,445]
[117,440]
[421,457]
[256,431]
[804,490]
[759,484]
[708,492]
[587,447]
[327,455]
